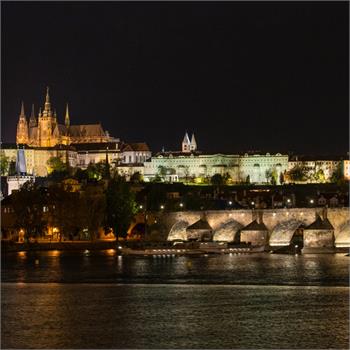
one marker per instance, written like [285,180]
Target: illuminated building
[16,181]
[190,163]
[346,169]
[45,130]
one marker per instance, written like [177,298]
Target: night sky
[243,76]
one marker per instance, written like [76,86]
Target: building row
[43,137]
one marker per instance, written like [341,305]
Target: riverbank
[8,247]
[67,245]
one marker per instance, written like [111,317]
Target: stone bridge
[281,223]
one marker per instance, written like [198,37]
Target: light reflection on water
[107,266]
[173,316]
[237,301]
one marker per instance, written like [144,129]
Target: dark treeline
[74,209]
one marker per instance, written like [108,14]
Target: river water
[101,300]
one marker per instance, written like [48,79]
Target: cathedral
[45,131]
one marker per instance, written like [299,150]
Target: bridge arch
[342,235]
[178,231]
[228,231]
[284,231]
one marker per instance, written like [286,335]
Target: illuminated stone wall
[255,237]
[318,239]
[338,217]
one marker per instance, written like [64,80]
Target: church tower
[47,122]
[193,145]
[66,118]
[32,120]
[186,144]
[22,128]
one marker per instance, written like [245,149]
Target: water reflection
[173,316]
[111,252]
[107,266]
[22,255]
[54,253]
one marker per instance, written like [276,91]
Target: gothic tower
[193,145]
[32,120]
[66,118]
[186,144]
[46,124]
[22,128]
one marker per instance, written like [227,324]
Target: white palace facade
[190,163]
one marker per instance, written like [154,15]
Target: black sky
[265,76]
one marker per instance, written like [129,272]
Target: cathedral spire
[32,115]
[47,101]
[193,145]
[32,120]
[22,128]
[186,143]
[66,118]
[22,115]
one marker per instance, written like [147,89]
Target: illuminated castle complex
[45,131]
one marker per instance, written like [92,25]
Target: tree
[120,206]
[162,170]
[92,209]
[57,169]
[227,178]
[337,175]
[247,180]
[156,196]
[98,171]
[28,204]
[298,173]
[217,180]
[81,175]
[136,177]
[157,178]
[12,168]
[320,176]
[65,208]
[4,164]
[271,176]
[281,178]
[56,164]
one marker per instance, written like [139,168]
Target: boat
[160,252]
[194,249]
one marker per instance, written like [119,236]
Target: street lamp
[181,205]
[230,203]
[162,206]
[141,206]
